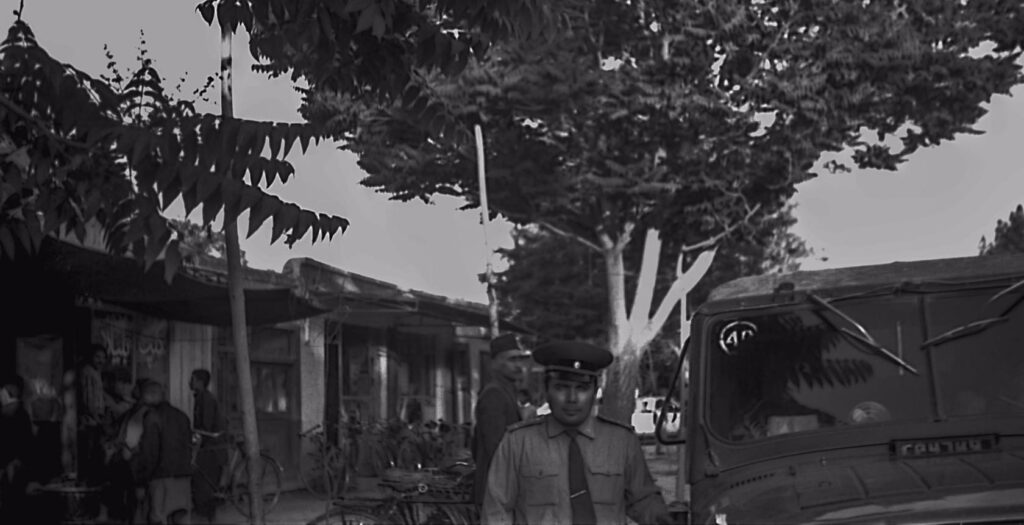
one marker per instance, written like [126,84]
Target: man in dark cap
[497,406]
[571,466]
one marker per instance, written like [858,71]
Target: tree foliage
[370,48]
[685,115]
[75,150]
[689,118]
[1008,237]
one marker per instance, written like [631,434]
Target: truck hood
[954,489]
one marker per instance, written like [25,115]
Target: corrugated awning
[125,282]
[414,307]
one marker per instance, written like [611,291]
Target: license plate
[932,447]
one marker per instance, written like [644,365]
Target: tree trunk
[629,334]
[621,381]
[621,378]
[236,294]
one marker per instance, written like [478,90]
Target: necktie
[579,492]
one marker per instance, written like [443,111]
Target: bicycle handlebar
[311,430]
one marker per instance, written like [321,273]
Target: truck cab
[884,394]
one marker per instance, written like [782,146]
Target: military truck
[881,394]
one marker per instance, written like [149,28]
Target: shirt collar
[555,428]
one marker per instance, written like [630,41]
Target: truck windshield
[792,371]
[981,374]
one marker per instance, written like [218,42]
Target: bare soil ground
[664,463]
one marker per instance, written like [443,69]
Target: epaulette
[616,422]
[524,424]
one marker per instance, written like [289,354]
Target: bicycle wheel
[355,516]
[325,478]
[270,476]
[443,514]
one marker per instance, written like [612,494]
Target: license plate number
[925,448]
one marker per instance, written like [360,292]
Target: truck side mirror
[669,427]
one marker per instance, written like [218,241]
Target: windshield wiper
[1007,291]
[980,325]
[862,335]
[965,330]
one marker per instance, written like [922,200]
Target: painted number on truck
[734,333]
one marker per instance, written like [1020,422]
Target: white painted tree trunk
[629,333]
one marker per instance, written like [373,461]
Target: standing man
[92,414]
[571,466]
[212,453]
[497,407]
[16,444]
[164,461]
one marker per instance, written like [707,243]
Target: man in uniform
[498,405]
[571,466]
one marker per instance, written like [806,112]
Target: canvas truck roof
[935,274]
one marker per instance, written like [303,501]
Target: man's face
[571,400]
[152,395]
[511,366]
[194,384]
[99,358]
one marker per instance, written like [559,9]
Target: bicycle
[233,485]
[418,497]
[325,468]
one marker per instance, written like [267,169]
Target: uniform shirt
[496,409]
[529,477]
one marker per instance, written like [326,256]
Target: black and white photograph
[512,262]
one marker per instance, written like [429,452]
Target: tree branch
[685,282]
[558,231]
[11,106]
[644,294]
[711,241]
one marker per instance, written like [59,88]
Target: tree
[559,290]
[1009,235]
[686,117]
[76,150]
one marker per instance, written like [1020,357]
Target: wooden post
[485,220]
[236,294]
[682,490]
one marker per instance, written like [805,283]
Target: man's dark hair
[203,376]
[96,348]
[552,375]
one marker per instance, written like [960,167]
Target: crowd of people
[111,432]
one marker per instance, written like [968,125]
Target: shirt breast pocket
[540,485]
[607,484]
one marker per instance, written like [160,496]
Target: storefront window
[271,386]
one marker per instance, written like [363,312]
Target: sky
[938,204]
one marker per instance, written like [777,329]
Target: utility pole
[485,221]
[239,326]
